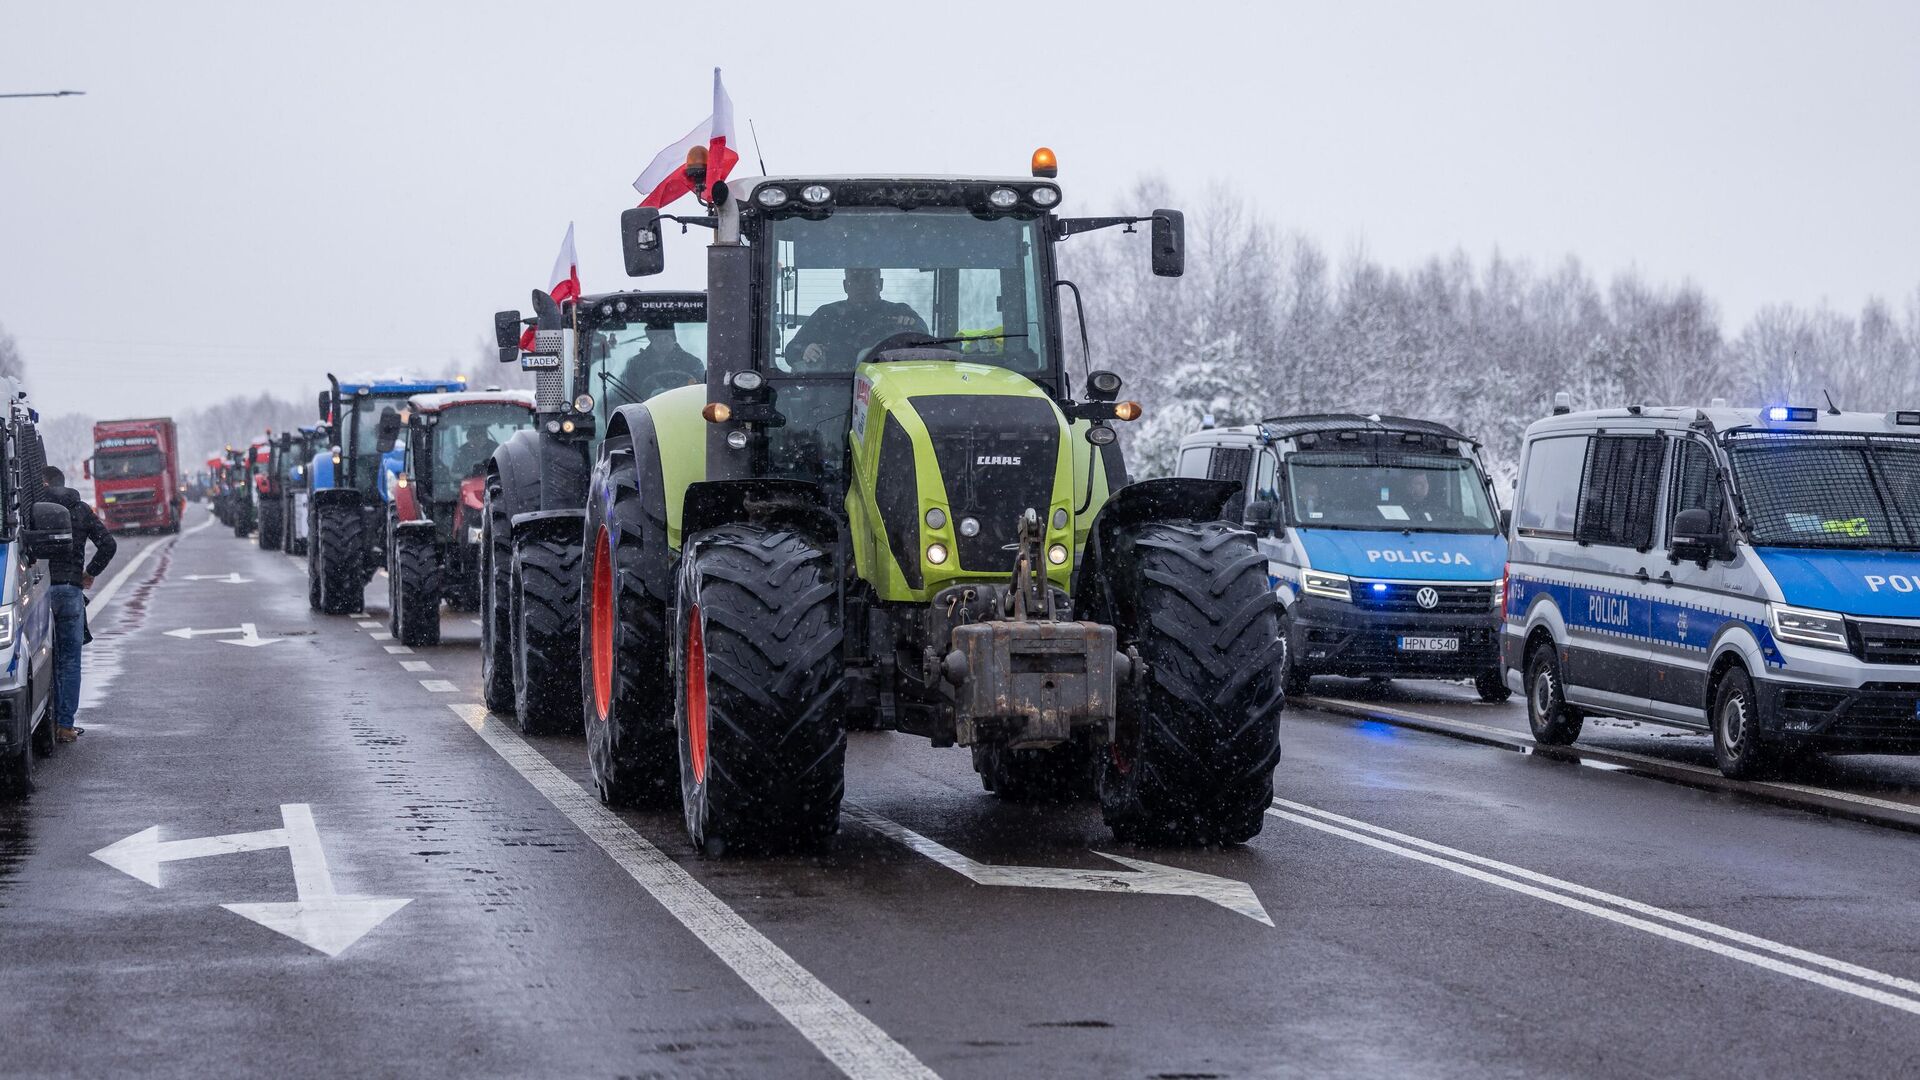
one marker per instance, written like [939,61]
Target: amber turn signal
[1045,164]
[717,412]
[1126,410]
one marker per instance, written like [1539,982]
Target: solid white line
[853,1043]
[105,596]
[397,650]
[416,665]
[1487,729]
[440,686]
[1722,948]
[1910,986]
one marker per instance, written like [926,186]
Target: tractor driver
[835,333]
[662,365]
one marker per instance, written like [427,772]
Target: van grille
[1884,643]
[1405,596]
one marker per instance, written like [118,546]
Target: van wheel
[1492,686]
[1740,748]
[1554,722]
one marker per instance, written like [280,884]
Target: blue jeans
[69,631]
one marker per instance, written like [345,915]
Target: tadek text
[1431,558]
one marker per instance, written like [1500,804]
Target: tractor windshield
[632,362]
[847,282]
[466,436]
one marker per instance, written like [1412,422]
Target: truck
[135,469]
[905,510]
[32,530]
[604,352]
[346,511]
[436,501]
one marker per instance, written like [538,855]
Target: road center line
[854,1044]
[1410,848]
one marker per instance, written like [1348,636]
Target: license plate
[539,362]
[1429,644]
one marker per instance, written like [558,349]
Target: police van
[1382,539]
[1750,572]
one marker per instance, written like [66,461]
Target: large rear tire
[1193,759]
[496,608]
[760,691]
[339,561]
[546,639]
[625,689]
[415,587]
[313,562]
[269,537]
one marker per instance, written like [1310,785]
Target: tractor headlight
[736,439]
[6,627]
[1326,586]
[936,518]
[771,197]
[583,403]
[815,194]
[747,381]
[1044,196]
[969,526]
[936,553]
[1060,518]
[473,534]
[1003,198]
[1057,554]
[1818,629]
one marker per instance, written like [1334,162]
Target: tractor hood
[977,443]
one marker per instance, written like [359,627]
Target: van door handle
[1640,576]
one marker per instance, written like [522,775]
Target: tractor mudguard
[328,498]
[560,526]
[1171,498]
[667,435]
[800,503]
[412,526]
[538,472]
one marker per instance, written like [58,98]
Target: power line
[47,93]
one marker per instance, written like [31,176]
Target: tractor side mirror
[641,243]
[506,335]
[389,430]
[326,406]
[1169,243]
[49,532]
[1694,537]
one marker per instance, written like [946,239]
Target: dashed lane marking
[416,665]
[440,686]
[853,1043]
[379,635]
[368,625]
[397,650]
[1734,944]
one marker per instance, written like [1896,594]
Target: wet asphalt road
[1438,906]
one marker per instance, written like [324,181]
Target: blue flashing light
[1790,414]
[1379,586]
[1777,413]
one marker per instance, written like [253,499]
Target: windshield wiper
[963,340]
[609,377]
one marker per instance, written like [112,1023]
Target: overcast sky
[253,193]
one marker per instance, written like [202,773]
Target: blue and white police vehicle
[1382,538]
[1750,572]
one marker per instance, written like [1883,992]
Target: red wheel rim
[696,697]
[602,624]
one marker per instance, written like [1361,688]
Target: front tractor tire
[545,595]
[496,608]
[625,689]
[414,585]
[760,698]
[337,569]
[269,536]
[1193,759]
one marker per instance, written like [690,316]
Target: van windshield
[1828,491]
[1365,489]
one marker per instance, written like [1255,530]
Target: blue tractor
[346,503]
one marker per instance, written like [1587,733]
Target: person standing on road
[70,580]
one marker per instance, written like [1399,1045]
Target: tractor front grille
[997,457]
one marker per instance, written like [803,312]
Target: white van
[1752,572]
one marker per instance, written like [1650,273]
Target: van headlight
[1818,629]
[6,626]
[1326,586]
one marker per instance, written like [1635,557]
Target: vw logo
[1428,598]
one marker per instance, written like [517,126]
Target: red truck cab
[135,470]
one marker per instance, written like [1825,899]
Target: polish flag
[566,272]
[665,178]
[527,340]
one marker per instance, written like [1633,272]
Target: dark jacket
[67,569]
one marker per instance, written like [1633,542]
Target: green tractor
[888,507]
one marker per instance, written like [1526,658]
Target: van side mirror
[1169,243]
[640,241]
[1694,538]
[1262,516]
[86,468]
[48,533]
[1506,523]
[389,430]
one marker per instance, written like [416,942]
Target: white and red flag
[665,178]
[566,272]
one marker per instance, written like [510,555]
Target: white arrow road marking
[1724,941]
[854,1044]
[321,918]
[249,635]
[225,579]
[1150,878]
